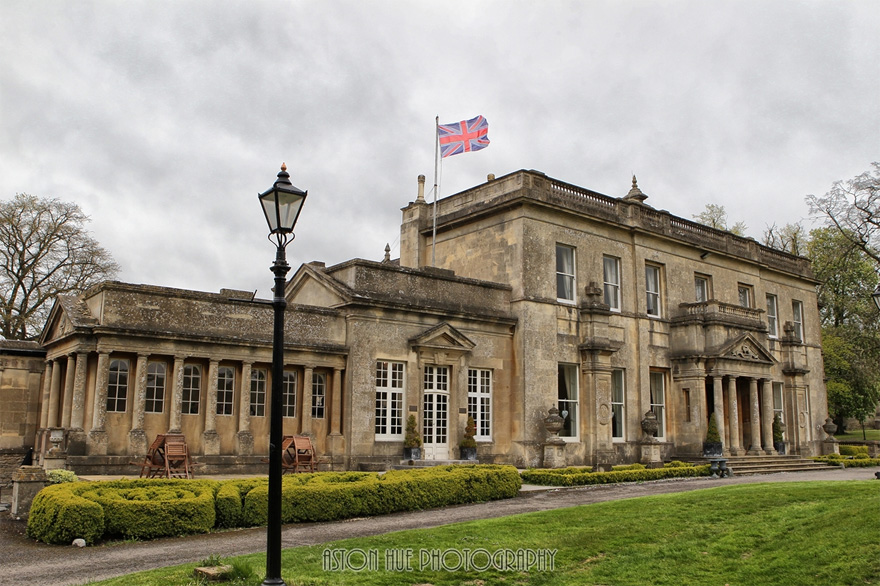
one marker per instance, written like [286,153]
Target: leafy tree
[715,216]
[45,251]
[852,207]
[850,324]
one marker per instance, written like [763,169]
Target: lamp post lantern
[281,204]
[876,296]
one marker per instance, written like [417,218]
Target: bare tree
[853,208]
[715,216]
[45,251]
[790,238]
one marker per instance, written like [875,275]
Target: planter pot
[412,453]
[779,447]
[713,449]
[468,453]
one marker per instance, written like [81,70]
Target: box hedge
[585,476]
[138,509]
[857,461]
[146,509]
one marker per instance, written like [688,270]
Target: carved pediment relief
[746,348]
[441,344]
[310,286]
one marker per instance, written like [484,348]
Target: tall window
[117,386]
[155,399]
[319,391]
[258,392]
[745,295]
[225,390]
[480,401]
[192,388]
[652,289]
[288,394]
[772,316]
[564,273]
[777,402]
[618,413]
[701,288]
[797,311]
[611,276]
[567,393]
[389,400]
[657,384]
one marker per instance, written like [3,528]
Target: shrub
[846,450]
[848,461]
[58,515]
[412,439]
[59,476]
[712,435]
[329,496]
[568,477]
[229,500]
[470,430]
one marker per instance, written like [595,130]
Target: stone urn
[830,427]
[650,426]
[553,423]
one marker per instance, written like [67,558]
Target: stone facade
[540,295]
[21,370]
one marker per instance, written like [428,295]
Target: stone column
[755,428]
[76,438]
[47,393]
[244,439]
[767,416]
[68,391]
[176,406]
[718,396]
[54,395]
[137,437]
[212,439]
[307,400]
[733,417]
[97,440]
[335,441]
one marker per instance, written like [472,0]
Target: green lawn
[822,533]
[856,434]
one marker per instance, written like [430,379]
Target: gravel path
[24,561]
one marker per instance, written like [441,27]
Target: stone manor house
[543,295]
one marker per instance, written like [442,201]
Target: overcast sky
[163,120]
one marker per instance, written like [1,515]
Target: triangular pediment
[745,348]
[442,337]
[311,286]
[69,313]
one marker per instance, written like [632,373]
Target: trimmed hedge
[846,450]
[146,509]
[857,461]
[322,497]
[138,509]
[585,476]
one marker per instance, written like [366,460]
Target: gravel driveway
[24,561]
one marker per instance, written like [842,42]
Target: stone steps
[742,465]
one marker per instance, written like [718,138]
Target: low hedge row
[146,509]
[857,461]
[585,476]
[853,450]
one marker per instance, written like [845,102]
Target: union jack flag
[463,137]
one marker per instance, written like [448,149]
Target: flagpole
[436,163]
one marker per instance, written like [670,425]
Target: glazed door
[435,425]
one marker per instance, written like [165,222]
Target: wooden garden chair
[304,453]
[177,463]
[153,465]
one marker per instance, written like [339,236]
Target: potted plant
[412,441]
[712,447]
[468,445]
[778,430]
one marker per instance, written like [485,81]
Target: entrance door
[434,434]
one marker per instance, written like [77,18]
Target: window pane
[772,320]
[652,286]
[658,401]
[701,289]
[617,404]
[567,399]
[611,271]
[564,273]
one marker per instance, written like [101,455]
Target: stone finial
[387,253]
[490,177]
[636,193]
[421,196]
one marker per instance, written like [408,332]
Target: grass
[804,533]
[855,433]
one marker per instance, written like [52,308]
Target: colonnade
[760,406]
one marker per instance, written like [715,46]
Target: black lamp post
[281,204]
